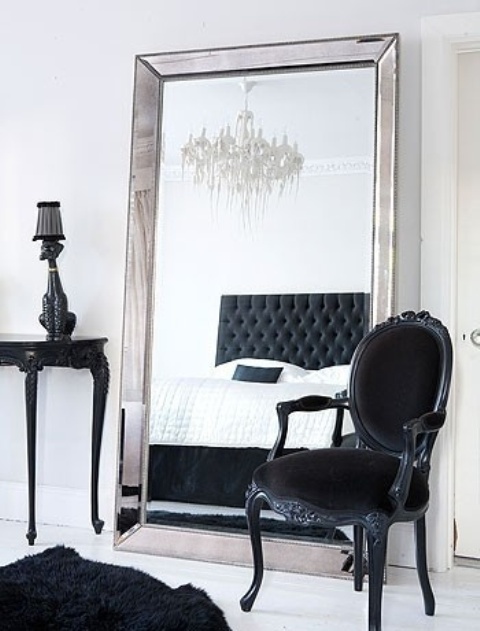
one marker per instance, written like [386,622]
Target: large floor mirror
[260,250]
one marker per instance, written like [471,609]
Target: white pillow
[289,374]
[331,375]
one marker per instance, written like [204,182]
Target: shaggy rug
[57,590]
[128,517]
[238,523]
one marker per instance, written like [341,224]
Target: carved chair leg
[422,568]
[253,507]
[358,558]
[377,548]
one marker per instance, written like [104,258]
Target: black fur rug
[57,590]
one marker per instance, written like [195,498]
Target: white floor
[287,602]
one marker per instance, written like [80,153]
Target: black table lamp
[55,317]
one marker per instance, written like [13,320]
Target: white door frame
[444,38]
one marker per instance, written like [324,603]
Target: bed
[207,435]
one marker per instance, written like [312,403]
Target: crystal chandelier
[244,169]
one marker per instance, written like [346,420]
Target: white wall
[66,73]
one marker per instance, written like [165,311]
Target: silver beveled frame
[152,71]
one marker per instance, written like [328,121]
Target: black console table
[31,355]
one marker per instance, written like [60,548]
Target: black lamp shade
[49,223]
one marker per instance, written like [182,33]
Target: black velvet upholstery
[309,330]
[380,407]
[399,384]
[320,479]
[258,374]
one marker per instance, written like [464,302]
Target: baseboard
[57,506]
[467,562]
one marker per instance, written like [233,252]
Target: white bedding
[221,412]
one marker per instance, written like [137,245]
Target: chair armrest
[309,403]
[337,434]
[312,403]
[428,423]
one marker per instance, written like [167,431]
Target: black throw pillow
[259,374]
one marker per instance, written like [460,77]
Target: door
[467,342]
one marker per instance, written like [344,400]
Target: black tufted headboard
[309,330]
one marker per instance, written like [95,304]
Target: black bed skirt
[217,476]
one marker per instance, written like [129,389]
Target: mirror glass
[203,226]
[289,244]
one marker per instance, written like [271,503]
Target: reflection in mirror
[234,260]
[292,244]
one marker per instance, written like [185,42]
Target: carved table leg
[101,374]
[31,380]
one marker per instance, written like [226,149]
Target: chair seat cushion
[339,480]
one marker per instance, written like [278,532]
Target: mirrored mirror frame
[152,71]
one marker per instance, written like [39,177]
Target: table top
[22,339]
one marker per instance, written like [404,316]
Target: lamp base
[55,317]
[58,323]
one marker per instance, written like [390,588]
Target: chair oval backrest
[400,370]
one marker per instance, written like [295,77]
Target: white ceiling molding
[311,168]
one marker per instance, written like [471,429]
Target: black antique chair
[398,390]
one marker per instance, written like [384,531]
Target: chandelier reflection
[243,169]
